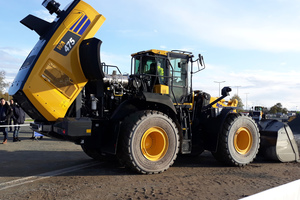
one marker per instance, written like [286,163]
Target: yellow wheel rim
[243,140]
[154,143]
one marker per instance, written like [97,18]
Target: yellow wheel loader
[144,119]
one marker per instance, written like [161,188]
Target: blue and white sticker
[67,43]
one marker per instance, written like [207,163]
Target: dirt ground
[189,178]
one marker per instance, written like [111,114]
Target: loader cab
[164,72]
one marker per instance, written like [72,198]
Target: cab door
[179,76]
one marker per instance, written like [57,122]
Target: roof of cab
[163,52]
[154,51]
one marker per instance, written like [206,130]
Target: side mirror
[200,61]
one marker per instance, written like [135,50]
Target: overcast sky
[253,45]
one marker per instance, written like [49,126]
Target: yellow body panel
[161,89]
[291,118]
[222,103]
[50,99]
[233,103]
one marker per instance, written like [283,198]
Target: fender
[125,109]
[212,128]
[160,99]
[155,102]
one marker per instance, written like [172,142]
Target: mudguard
[211,128]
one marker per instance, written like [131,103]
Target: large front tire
[239,141]
[150,142]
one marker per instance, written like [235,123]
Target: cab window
[154,66]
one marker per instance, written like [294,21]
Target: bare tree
[3,83]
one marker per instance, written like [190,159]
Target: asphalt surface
[36,156]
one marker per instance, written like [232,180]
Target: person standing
[18,118]
[5,114]
[10,120]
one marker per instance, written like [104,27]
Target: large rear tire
[239,141]
[150,142]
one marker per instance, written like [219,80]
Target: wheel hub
[154,143]
[243,140]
